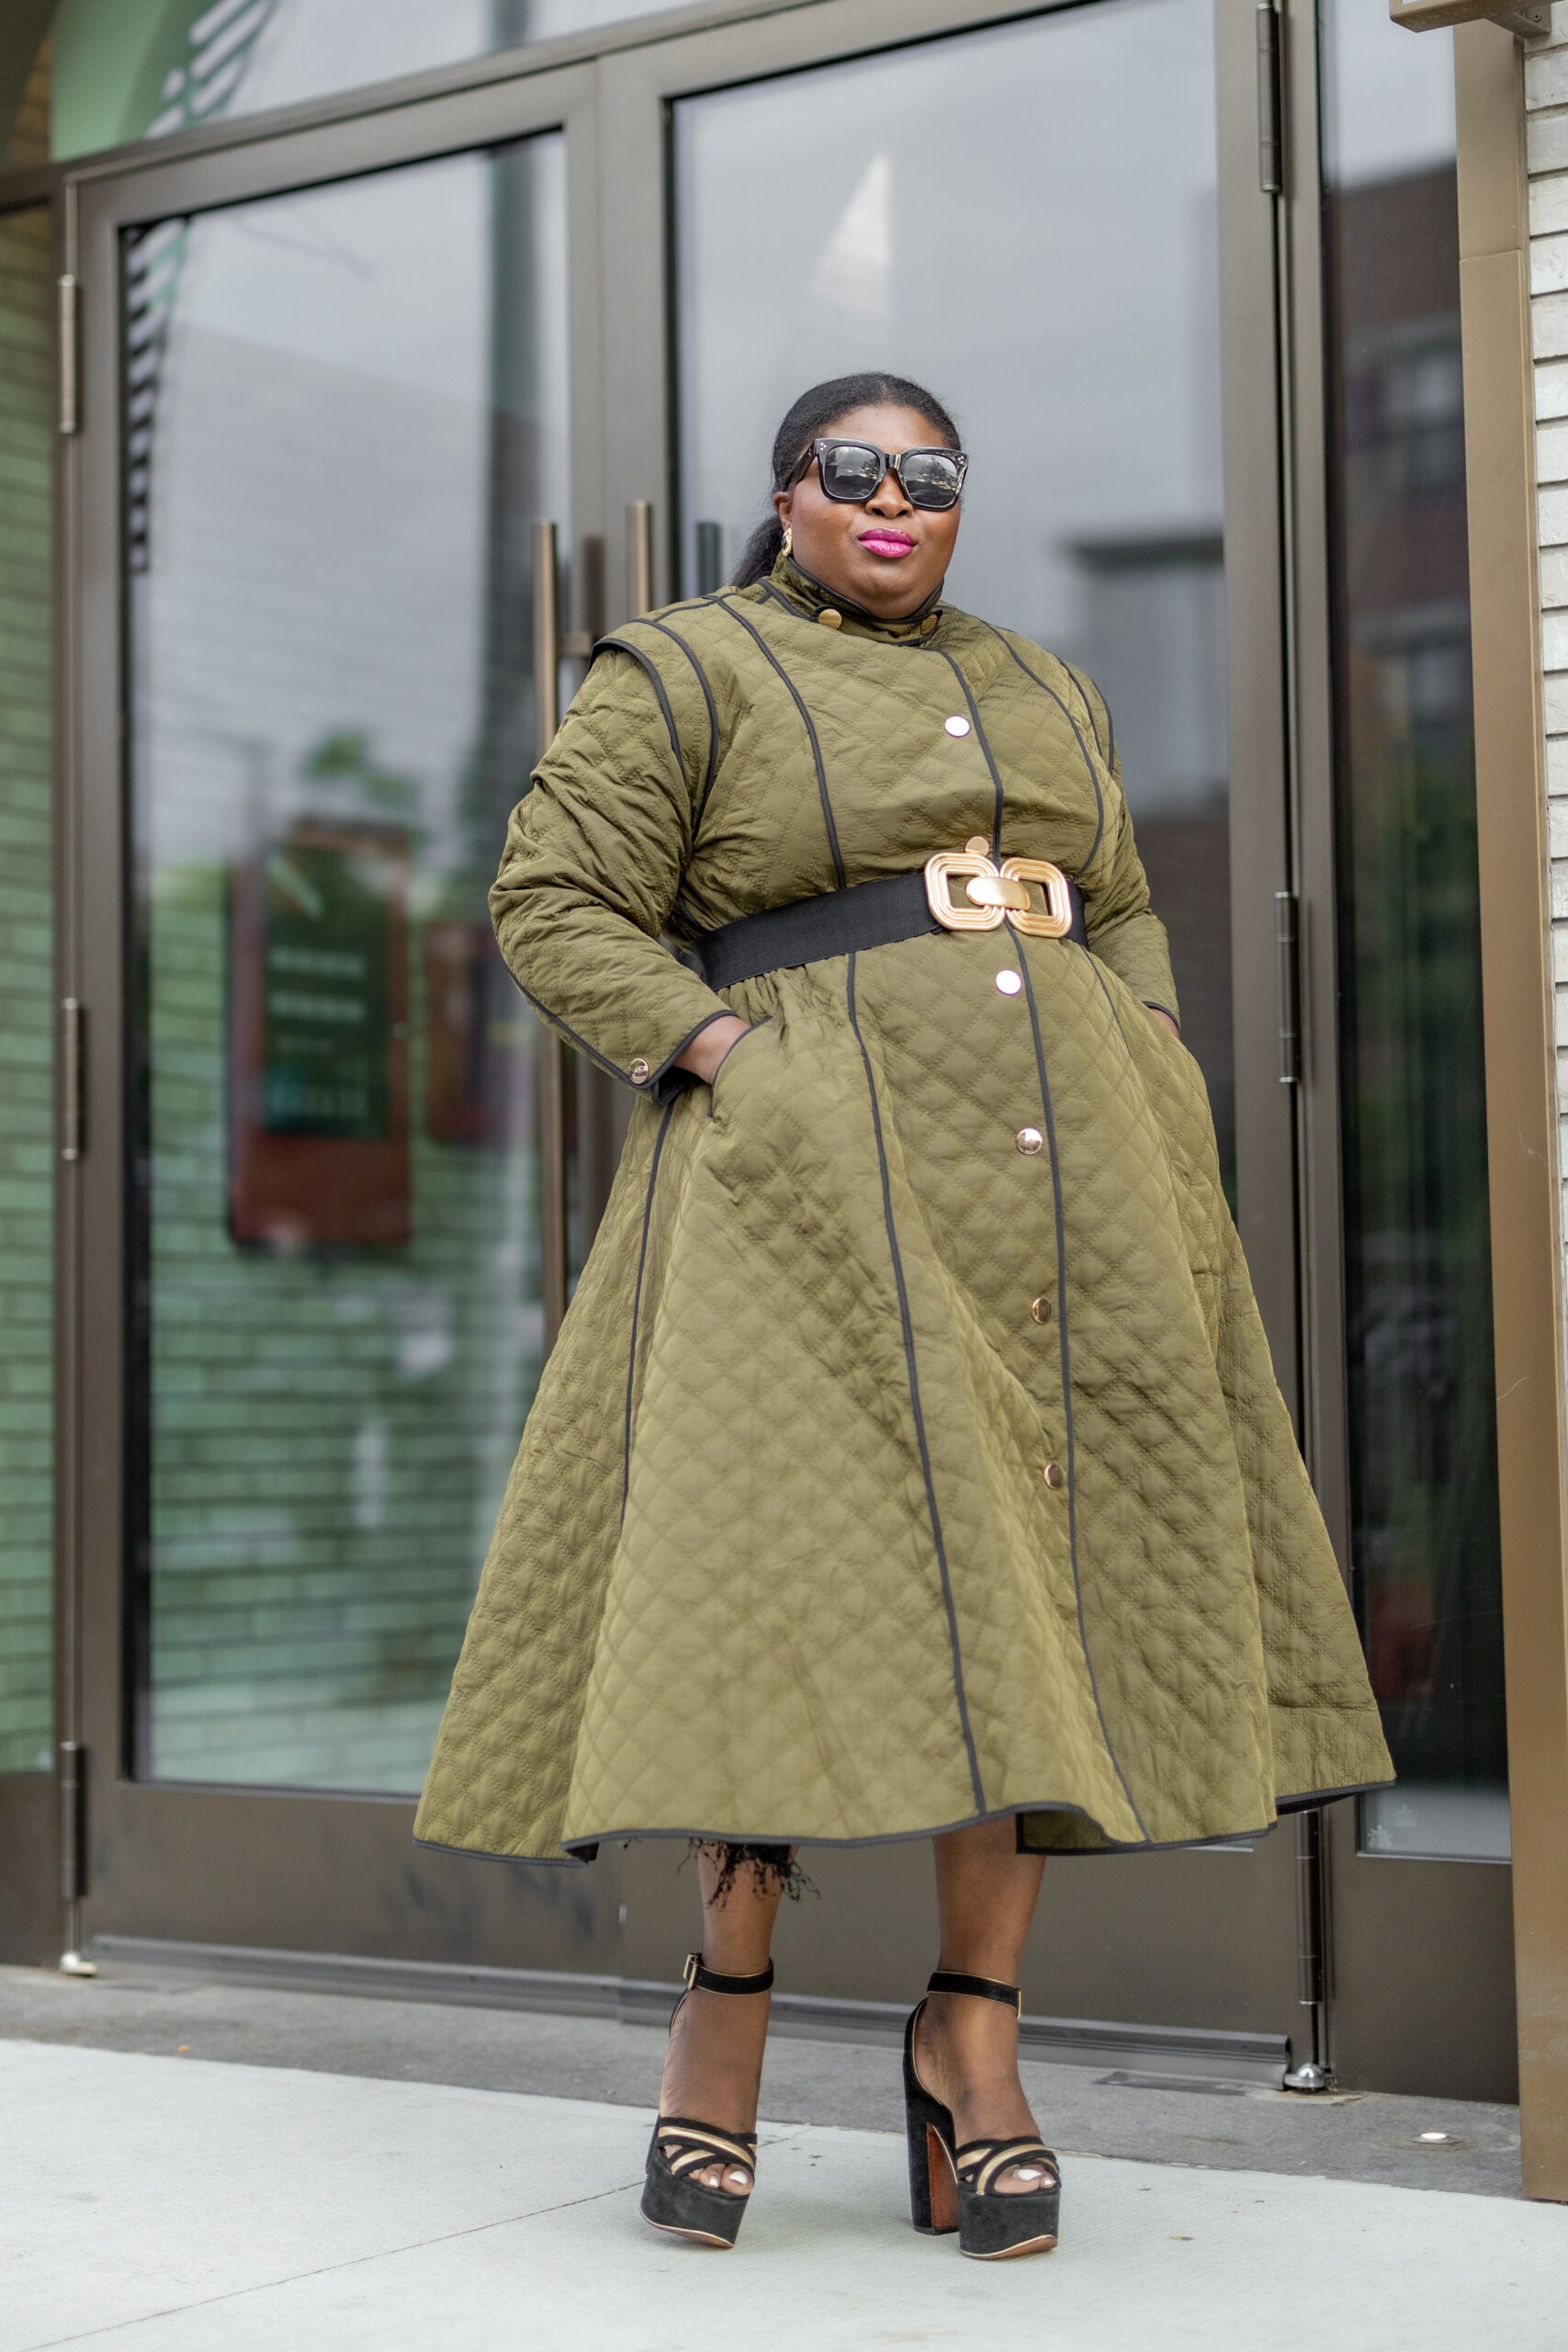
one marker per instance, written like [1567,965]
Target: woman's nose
[888,496]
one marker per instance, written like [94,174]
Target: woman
[910,1460]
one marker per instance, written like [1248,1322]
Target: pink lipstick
[891,544]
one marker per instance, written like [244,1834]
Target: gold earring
[788,538]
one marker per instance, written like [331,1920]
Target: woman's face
[886,556]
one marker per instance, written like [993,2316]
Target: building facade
[359,364]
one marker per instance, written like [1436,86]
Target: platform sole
[1009,2253]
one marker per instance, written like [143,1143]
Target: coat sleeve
[593,859]
[1124,930]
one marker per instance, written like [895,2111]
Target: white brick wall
[1546,99]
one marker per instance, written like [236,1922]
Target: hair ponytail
[806,421]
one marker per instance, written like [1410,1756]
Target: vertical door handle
[1270,104]
[551,1064]
[73,1078]
[640,555]
[547,634]
[1288,985]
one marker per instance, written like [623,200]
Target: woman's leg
[966,2050]
[714,2061]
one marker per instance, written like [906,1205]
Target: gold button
[639,1072]
[1030,1140]
[957,725]
[927,625]
[978,845]
[1054,1475]
[1008,982]
[1041,1310]
[828,619]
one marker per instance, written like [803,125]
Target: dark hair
[813,412]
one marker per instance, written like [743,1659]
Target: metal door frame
[1446,2025]
[614,93]
[224,1864]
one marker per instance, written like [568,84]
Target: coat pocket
[720,1089]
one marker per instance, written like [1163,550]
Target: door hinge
[73,1821]
[70,376]
[1287,985]
[1270,110]
[73,1077]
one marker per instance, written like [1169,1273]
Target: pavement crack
[326,2269]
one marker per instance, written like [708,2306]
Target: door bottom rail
[1198,2053]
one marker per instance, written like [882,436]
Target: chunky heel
[952,2188]
[671,2199]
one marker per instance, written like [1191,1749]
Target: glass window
[345,411]
[27,1155]
[140,69]
[1423,1444]
[1025,220]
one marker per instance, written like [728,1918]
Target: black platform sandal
[671,2199]
[951,2187]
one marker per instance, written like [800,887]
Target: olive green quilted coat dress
[889,1473]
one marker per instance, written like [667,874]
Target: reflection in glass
[26,1158]
[140,69]
[345,409]
[1423,1448]
[1024,219]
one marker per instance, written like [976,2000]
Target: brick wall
[26,378]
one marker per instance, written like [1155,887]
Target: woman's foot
[713,2069]
[967,2055]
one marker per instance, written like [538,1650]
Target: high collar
[808,597]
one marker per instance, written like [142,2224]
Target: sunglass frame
[893,462]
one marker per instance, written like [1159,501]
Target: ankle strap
[984,1988]
[708,1980]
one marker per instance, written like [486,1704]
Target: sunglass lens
[850,469]
[931,480]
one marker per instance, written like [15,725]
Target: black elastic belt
[840,923]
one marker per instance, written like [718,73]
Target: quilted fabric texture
[779,1558]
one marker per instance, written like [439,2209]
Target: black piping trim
[1062,1322]
[581,1851]
[771,656]
[1108,749]
[619,645]
[680,1080]
[637,1304]
[1154,1006]
[984,745]
[909,1332]
[712,710]
[555,1022]
[1083,747]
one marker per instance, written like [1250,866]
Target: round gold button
[828,619]
[1040,1308]
[1030,1140]
[639,1072]
[927,625]
[1054,1475]
[957,725]
[978,845]
[1009,983]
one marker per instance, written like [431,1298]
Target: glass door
[344,413]
[1053,223]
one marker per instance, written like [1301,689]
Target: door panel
[878,211]
[344,408]
[1424,1862]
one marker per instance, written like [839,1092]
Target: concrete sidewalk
[175,2204]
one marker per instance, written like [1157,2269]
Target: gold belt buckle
[998,894]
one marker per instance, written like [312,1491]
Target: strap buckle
[998,894]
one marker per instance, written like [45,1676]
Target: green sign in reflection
[327,1029]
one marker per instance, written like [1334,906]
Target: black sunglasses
[852,471]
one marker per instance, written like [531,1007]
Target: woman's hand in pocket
[709,1046]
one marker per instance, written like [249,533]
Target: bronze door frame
[206,1865]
